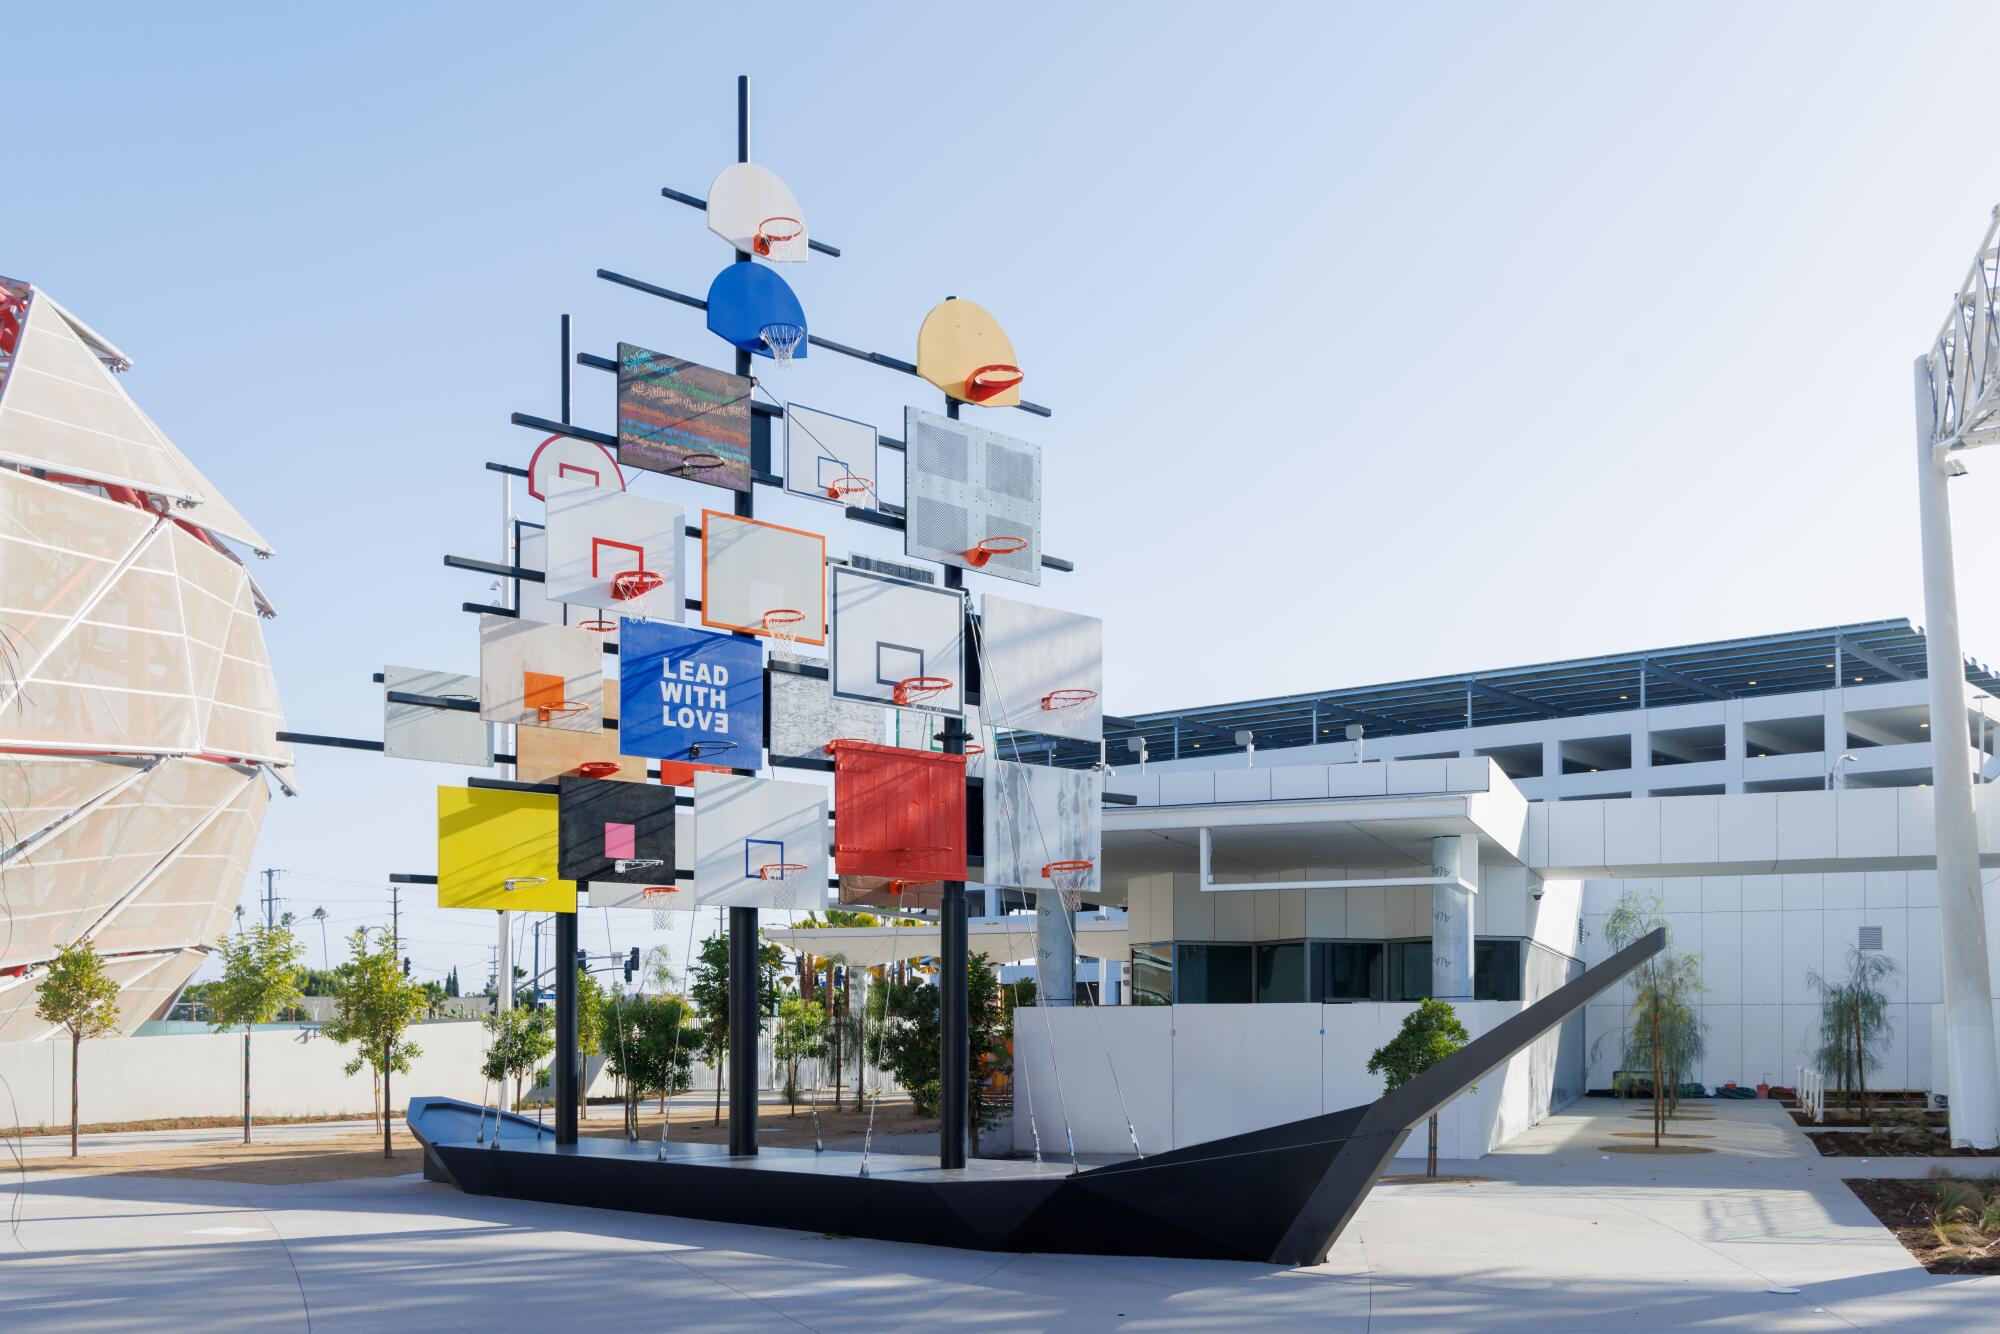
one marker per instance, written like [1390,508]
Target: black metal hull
[1280,1195]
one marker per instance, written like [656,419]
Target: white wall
[292,1073]
[1186,1074]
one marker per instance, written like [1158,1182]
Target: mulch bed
[1664,1134]
[1906,1208]
[1659,1149]
[1905,1144]
[1853,1119]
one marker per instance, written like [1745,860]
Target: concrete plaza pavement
[1559,1237]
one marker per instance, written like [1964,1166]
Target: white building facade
[1287,899]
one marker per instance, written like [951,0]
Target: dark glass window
[1153,974]
[1348,970]
[1281,972]
[1213,975]
[1409,970]
[1496,970]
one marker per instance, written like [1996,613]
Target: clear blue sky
[1383,341]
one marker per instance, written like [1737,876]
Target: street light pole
[1958,408]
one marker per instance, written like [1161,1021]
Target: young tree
[1853,1020]
[78,996]
[708,988]
[373,1008]
[589,1033]
[800,1034]
[260,977]
[1665,1034]
[908,1026]
[650,1045]
[1429,1033]
[517,1040]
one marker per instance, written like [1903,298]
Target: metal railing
[1812,1093]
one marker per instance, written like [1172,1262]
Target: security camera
[1535,890]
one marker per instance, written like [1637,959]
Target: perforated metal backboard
[750,569]
[805,716]
[886,631]
[1036,664]
[422,732]
[1036,815]
[759,843]
[614,550]
[965,485]
[830,458]
[540,675]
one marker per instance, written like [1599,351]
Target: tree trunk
[246,1083]
[1431,1156]
[388,1106]
[839,1018]
[75,1050]
[721,1063]
[1860,1065]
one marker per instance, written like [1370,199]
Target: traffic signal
[582,961]
[632,964]
[406,965]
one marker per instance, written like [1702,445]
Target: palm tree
[325,959]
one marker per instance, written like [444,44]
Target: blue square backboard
[689,694]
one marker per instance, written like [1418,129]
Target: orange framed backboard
[750,568]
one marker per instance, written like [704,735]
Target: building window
[1409,970]
[1208,974]
[1281,973]
[1347,970]
[1496,970]
[1153,974]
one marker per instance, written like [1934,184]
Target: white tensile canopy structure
[138,711]
[1006,940]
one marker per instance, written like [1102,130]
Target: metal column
[566,1053]
[744,1011]
[1968,991]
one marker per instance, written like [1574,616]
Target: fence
[1811,1089]
[293,1072]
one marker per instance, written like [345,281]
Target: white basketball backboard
[1036,815]
[427,732]
[750,568]
[965,486]
[759,843]
[596,536]
[746,201]
[1036,664]
[886,631]
[561,463]
[540,675]
[830,458]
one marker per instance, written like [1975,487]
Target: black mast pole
[566,1053]
[955,1054]
[743,1001]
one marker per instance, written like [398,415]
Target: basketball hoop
[569,708]
[782,625]
[780,870]
[657,897]
[840,488]
[635,584]
[833,746]
[597,626]
[991,381]
[783,340]
[916,689]
[697,462]
[598,768]
[775,232]
[695,749]
[988,547]
[1070,879]
[1067,699]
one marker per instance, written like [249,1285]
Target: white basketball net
[783,340]
[658,899]
[782,625]
[1070,880]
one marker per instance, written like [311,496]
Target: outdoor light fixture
[1248,740]
[1354,731]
